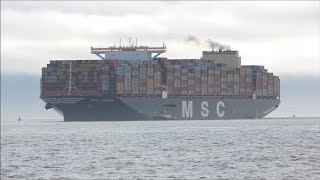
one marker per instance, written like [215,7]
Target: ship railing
[215,97]
[193,96]
[73,93]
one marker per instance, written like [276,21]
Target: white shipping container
[150,91]
[135,73]
[184,78]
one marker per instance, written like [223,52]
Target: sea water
[229,149]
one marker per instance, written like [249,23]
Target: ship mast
[70,84]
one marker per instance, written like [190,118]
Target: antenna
[136,42]
[70,84]
[120,43]
[129,41]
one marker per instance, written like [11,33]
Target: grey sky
[282,36]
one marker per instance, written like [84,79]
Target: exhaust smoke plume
[212,44]
[216,45]
[193,39]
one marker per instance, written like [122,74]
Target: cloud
[86,8]
[276,34]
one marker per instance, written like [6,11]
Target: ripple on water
[274,149]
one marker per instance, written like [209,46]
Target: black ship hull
[75,108]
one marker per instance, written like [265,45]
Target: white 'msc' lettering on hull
[187,109]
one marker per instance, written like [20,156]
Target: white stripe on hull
[56,101]
[62,102]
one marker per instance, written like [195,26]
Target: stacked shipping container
[177,80]
[191,84]
[217,80]
[204,80]
[270,84]
[230,87]
[197,80]
[236,80]
[135,78]
[157,79]
[223,72]
[242,81]
[178,77]
[210,80]
[276,82]
[143,79]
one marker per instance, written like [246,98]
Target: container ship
[134,83]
